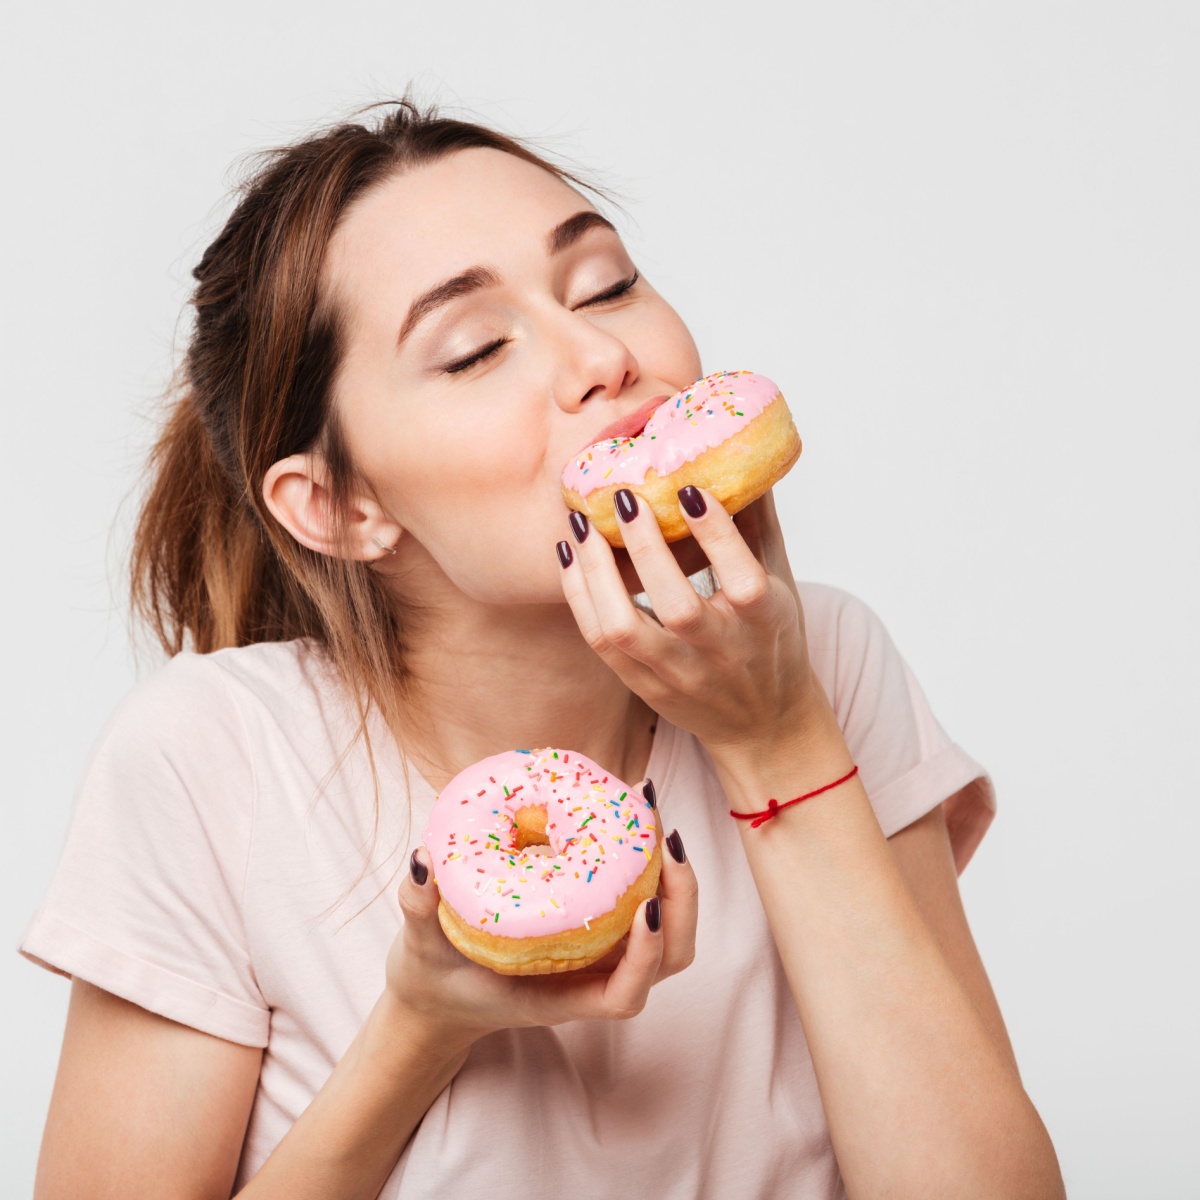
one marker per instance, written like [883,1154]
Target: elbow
[1031,1169]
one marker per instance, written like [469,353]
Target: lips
[628,426]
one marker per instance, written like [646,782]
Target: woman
[356,550]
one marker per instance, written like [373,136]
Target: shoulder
[847,642]
[908,761]
[210,690]
[181,758]
[832,613]
[200,715]
[870,685]
[271,671]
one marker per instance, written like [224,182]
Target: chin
[687,554]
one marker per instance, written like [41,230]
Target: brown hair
[210,566]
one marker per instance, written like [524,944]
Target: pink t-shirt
[200,864]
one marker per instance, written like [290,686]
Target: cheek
[665,347]
[438,477]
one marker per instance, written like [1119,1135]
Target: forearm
[348,1140]
[920,1101]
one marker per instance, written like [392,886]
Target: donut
[730,432]
[541,858]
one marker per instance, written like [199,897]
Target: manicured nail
[653,913]
[648,792]
[564,554]
[420,872]
[692,501]
[627,507]
[675,845]
[579,525]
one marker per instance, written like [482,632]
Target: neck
[488,678]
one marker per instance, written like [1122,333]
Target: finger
[583,996]
[680,895]
[772,532]
[676,603]
[626,989]
[759,526]
[744,582]
[419,900]
[623,993]
[624,636]
[645,789]
[749,521]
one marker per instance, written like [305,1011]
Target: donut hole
[529,832]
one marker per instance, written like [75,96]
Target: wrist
[803,719]
[395,1032]
[798,759]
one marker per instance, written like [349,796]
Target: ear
[297,492]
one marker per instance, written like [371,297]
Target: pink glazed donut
[730,433]
[541,858]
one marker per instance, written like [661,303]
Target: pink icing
[701,416]
[602,834]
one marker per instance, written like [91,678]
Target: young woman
[356,552]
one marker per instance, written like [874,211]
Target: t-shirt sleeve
[146,901]
[907,761]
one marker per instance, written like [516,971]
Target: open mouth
[619,434]
[617,439]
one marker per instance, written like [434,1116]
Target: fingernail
[692,501]
[675,845]
[653,913]
[648,792]
[627,507]
[564,554]
[420,872]
[579,525]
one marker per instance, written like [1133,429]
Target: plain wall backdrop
[963,239]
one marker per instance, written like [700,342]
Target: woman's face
[493,333]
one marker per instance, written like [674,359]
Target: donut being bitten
[730,433]
[541,858]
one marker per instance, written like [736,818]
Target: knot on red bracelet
[773,805]
[772,809]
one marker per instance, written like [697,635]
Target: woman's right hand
[446,991]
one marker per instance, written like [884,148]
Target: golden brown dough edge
[737,471]
[549,953]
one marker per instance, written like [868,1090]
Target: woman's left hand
[734,669]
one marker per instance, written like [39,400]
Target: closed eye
[487,351]
[613,292]
[477,357]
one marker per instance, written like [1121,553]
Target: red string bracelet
[773,806]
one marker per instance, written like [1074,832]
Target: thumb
[418,892]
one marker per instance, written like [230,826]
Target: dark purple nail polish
[648,792]
[692,501]
[675,845]
[654,913]
[627,506]
[420,872]
[579,525]
[564,554]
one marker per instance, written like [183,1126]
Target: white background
[963,238]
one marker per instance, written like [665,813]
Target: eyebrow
[474,279]
[573,228]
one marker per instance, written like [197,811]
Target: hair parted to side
[210,566]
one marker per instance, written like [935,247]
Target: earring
[389,549]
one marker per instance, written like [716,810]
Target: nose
[597,365]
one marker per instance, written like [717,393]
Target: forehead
[420,226]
